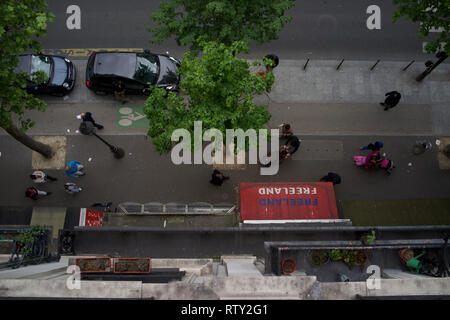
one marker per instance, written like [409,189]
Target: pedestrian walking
[392,100]
[218,178]
[332,177]
[372,160]
[41,177]
[290,147]
[73,169]
[119,92]
[71,188]
[34,193]
[87,116]
[286,130]
[373,146]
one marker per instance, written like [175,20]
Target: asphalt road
[319,30]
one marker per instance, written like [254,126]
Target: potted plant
[317,257]
[336,255]
[369,238]
[288,266]
[352,257]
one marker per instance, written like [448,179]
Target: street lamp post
[87,128]
[430,65]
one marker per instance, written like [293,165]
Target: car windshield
[146,68]
[41,63]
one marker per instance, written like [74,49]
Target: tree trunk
[37,146]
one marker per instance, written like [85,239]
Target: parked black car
[138,71]
[60,71]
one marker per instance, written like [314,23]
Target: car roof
[115,63]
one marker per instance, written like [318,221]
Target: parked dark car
[138,71]
[60,71]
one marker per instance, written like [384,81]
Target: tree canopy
[218,89]
[432,14]
[224,21]
[21,25]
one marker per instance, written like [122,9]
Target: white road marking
[73,22]
[374,20]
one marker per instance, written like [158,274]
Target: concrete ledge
[338,291]
[210,288]
[260,286]
[198,267]
[58,289]
[405,287]
[33,271]
[178,291]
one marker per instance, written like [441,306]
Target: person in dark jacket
[218,178]
[290,147]
[332,177]
[87,116]
[392,100]
[373,146]
[119,92]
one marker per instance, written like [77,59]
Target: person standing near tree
[392,100]
[286,130]
[41,177]
[87,116]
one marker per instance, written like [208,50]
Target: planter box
[132,265]
[89,265]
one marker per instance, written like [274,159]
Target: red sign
[288,201]
[90,218]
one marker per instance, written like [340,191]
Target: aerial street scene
[209,150]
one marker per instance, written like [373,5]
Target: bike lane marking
[131,116]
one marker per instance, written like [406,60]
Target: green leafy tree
[21,24]
[218,89]
[223,21]
[432,14]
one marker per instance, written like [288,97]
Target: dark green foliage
[224,21]
[431,14]
[22,23]
[218,90]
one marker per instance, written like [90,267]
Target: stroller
[374,160]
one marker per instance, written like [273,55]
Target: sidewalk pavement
[334,113]
[144,176]
[318,100]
